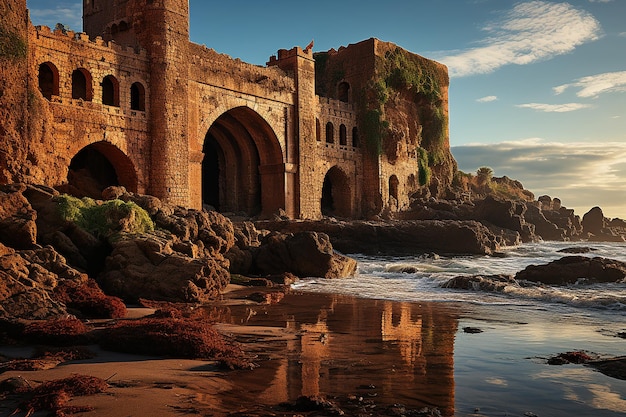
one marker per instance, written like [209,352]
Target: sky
[537,88]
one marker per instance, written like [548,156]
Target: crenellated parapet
[83,39]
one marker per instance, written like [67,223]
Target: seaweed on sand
[173,337]
[54,395]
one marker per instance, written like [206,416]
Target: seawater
[382,277]
[503,370]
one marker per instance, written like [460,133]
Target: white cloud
[530,32]
[67,13]
[487,99]
[554,108]
[594,85]
[582,175]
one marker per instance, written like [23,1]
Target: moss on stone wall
[12,46]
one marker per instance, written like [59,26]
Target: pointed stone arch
[98,166]
[336,194]
[243,169]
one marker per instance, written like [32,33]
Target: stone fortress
[131,101]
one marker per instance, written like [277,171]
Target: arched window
[48,80]
[343,135]
[123,26]
[343,92]
[81,85]
[330,133]
[137,97]
[355,137]
[110,91]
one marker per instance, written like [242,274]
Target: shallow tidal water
[398,338]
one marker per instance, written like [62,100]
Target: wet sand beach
[364,357]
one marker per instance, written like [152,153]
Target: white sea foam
[420,278]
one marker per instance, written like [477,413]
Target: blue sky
[538,88]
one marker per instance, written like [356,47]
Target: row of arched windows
[82,87]
[343,134]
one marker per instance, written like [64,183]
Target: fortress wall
[77,123]
[348,157]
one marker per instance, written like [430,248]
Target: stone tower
[301,63]
[162,28]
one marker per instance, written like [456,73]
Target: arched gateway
[242,169]
[98,166]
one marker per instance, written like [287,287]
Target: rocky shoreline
[56,249]
[66,261]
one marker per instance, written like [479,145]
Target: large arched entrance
[242,169]
[98,166]
[336,194]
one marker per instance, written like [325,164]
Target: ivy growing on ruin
[12,46]
[397,71]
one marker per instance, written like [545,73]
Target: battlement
[85,39]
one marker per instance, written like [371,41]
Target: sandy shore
[364,357]
[356,353]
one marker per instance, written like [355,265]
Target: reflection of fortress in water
[404,350]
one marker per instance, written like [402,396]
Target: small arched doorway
[336,194]
[242,169]
[96,167]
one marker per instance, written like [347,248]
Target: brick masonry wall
[77,123]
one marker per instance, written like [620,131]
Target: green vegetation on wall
[423,168]
[107,219]
[399,70]
[12,46]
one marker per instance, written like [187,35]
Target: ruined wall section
[356,66]
[347,157]
[77,123]
[418,131]
[16,158]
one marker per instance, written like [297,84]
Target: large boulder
[598,229]
[507,214]
[18,228]
[29,279]
[305,254]
[570,269]
[593,221]
[149,266]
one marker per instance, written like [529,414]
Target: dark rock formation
[30,281]
[147,266]
[492,283]
[597,229]
[17,218]
[593,221]
[397,236]
[570,269]
[305,254]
